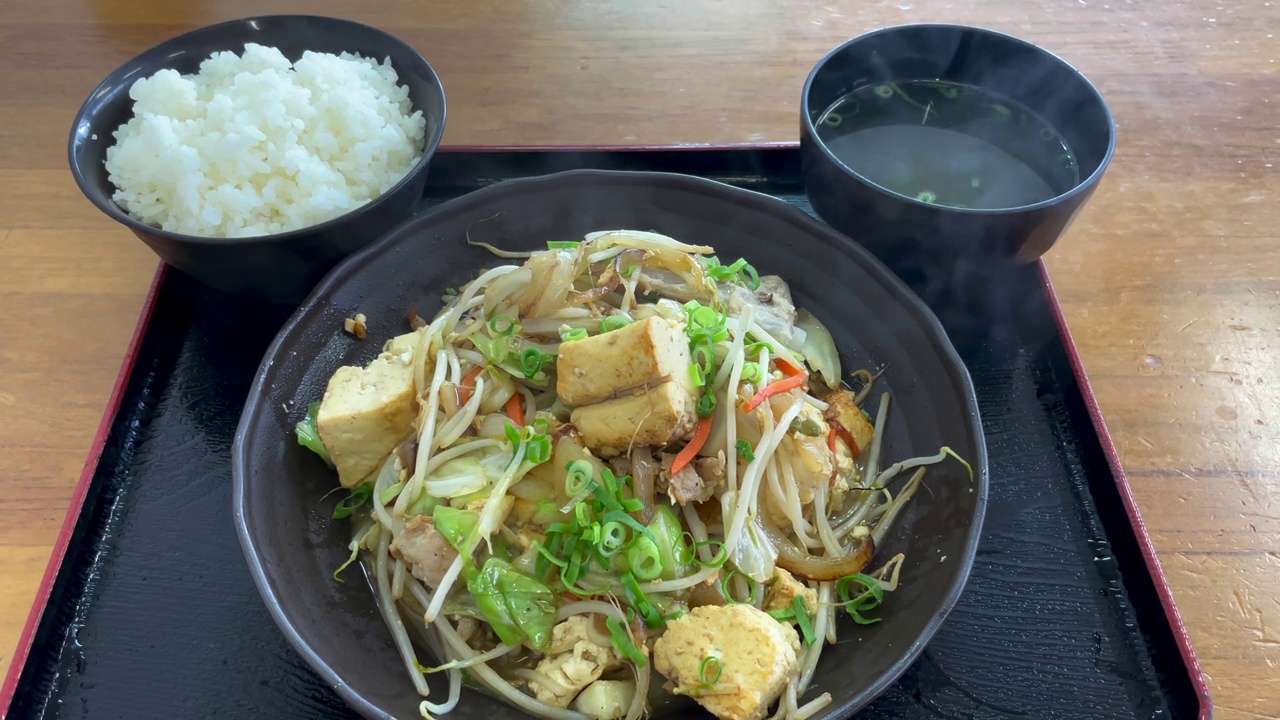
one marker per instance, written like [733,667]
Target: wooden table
[1170,278]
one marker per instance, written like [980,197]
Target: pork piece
[424,549]
[574,662]
[696,482]
[640,355]
[783,591]
[756,652]
[774,310]
[658,416]
[367,412]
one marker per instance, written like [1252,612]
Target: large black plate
[152,611]
[876,321]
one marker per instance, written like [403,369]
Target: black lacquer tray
[148,610]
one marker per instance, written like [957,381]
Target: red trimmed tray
[147,609]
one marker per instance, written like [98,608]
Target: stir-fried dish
[620,476]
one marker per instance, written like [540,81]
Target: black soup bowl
[282,492]
[281,267]
[1008,89]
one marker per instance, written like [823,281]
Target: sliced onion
[813,567]
[818,348]
[497,296]
[644,472]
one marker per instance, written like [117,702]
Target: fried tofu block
[757,657]
[657,416]
[842,409]
[642,354]
[367,412]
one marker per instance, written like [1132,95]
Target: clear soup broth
[949,144]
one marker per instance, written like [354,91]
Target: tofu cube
[642,354]
[757,654]
[367,412]
[657,416]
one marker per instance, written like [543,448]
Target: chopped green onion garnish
[622,642]
[639,601]
[752,372]
[801,611]
[706,405]
[644,559]
[614,322]
[502,325]
[704,356]
[551,558]
[719,555]
[578,477]
[870,598]
[533,360]
[696,373]
[538,449]
[710,670]
[573,335]
[728,594]
[562,244]
[745,451]
[451,291]
[358,496]
[613,536]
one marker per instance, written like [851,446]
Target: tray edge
[72,517]
[681,147]
[1151,560]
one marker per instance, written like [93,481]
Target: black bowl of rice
[255,154]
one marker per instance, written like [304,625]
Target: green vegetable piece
[423,505]
[459,528]
[745,450]
[801,610]
[516,605]
[622,641]
[668,537]
[309,435]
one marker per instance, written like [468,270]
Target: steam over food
[254,145]
[622,456]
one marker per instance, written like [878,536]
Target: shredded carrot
[469,384]
[788,369]
[831,439]
[690,451]
[840,430]
[786,384]
[515,411]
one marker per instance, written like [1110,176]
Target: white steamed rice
[254,144]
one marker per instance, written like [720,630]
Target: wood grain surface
[1170,277]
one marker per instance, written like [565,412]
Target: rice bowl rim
[81,130]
